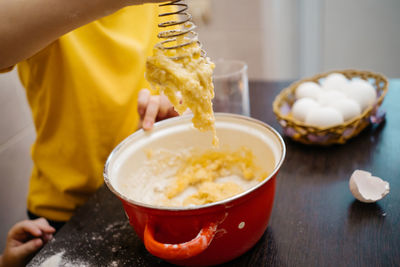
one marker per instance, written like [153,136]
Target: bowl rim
[277,167]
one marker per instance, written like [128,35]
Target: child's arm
[28,26]
[23,239]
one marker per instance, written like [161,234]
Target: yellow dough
[209,192]
[202,170]
[193,176]
[185,77]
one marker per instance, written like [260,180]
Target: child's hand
[153,108]
[23,239]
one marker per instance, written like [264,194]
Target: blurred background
[279,40]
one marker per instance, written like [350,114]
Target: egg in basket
[332,107]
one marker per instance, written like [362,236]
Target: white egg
[335,81]
[362,92]
[323,117]
[302,106]
[327,97]
[367,188]
[308,89]
[347,107]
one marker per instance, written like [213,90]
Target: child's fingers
[172,112]
[28,248]
[44,225]
[21,230]
[47,237]
[143,100]
[151,112]
[165,105]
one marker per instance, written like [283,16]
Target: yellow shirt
[82,90]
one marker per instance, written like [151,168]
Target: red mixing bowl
[208,234]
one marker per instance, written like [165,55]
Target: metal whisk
[186,30]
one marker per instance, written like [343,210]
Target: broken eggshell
[367,188]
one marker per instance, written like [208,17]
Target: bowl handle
[179,251]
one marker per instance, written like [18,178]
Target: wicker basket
[339,134]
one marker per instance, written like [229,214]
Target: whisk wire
[186,30]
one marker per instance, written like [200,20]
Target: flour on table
[59,260]
[53,261]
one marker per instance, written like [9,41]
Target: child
[82,64]
[23,239]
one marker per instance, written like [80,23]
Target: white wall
[234,32]
[289,39]
[362,34]
[280,39]
[304,37]
[16,136]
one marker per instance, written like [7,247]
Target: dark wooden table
[315,220]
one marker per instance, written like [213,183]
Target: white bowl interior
[233,131]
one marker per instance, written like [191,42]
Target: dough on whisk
[185,77]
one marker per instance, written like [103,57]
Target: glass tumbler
[231,87]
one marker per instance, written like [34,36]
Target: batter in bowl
[192,177]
